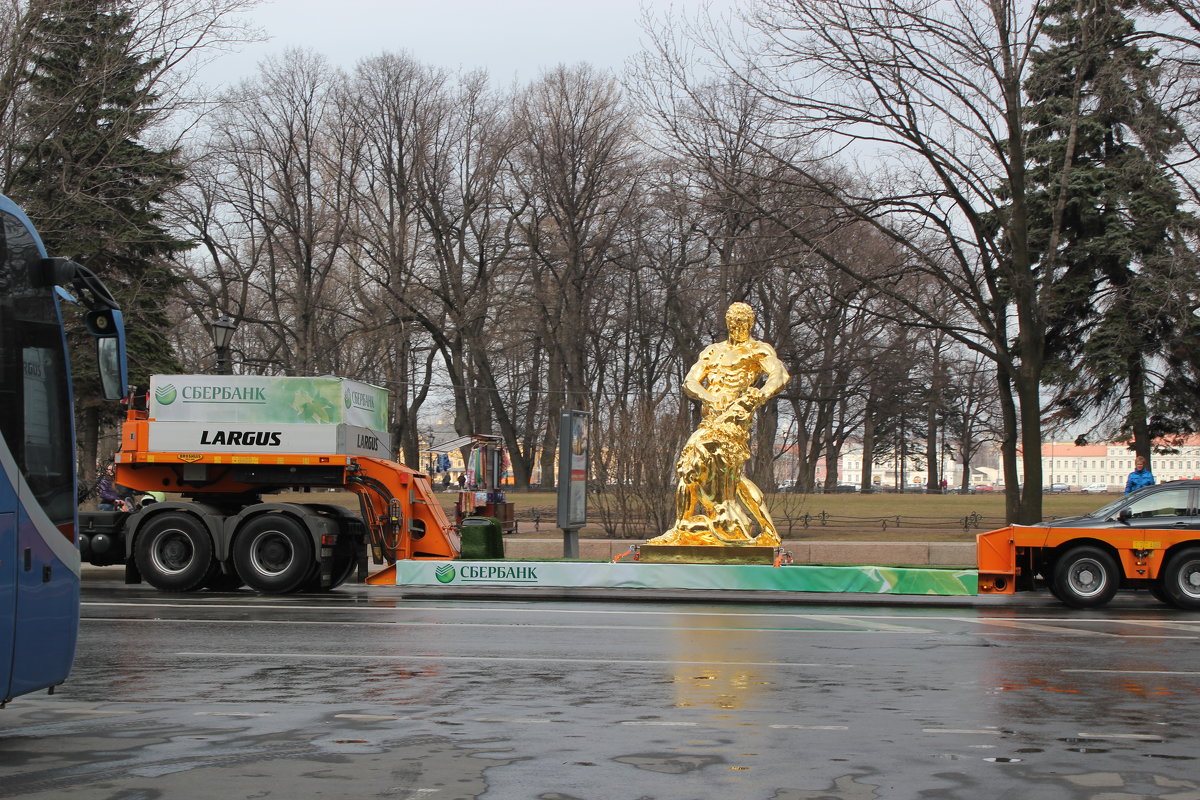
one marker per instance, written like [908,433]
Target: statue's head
[739,319]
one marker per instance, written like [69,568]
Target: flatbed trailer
[1085,567]
[212,449]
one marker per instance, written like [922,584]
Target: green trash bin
[482,538]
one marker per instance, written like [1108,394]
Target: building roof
[1066,449]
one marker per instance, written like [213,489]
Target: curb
[930,554]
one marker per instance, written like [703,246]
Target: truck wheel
[1159,592]
[273,553]
[173,552]
[344,562]
[1181,579]
[1086,577]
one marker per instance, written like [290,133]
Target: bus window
[38,427]
[46,454]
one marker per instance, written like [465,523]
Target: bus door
[8,593]
[41,568]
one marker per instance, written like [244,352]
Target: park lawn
[817,517]
[865,505]
[851,516]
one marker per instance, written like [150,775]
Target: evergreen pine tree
[1107,216]
[92,186]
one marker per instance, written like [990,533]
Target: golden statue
[724,380]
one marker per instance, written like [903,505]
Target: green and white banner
[633,575]
[268,399]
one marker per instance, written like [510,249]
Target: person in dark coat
[113,496]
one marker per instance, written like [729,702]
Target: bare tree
[576,172]
[928,97]
[271,212]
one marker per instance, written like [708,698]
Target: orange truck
[1147,540]
[221,443]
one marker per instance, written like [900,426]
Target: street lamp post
[222,331]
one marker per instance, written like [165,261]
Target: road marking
[530,626]
[367,717]
[515,659]
[965,731]
[809,727]
[660,724]
[230,714]
[1190,627]
[874,625]
[1141,737]
[526,610]
[524,720]
[1033,626]
[1131,672]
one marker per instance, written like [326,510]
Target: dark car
[1175,504]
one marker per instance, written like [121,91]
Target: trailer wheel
[273,553]
[173,552]
[1181,579]
[1086,577]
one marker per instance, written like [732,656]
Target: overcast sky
[510,38]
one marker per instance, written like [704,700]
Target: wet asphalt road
[367,693]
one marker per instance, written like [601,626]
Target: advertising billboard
[262,399]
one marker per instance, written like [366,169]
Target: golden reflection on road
[703,678]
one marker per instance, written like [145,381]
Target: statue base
[705,554]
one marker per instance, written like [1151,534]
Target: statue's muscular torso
[726,371]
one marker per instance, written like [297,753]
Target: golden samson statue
[715,504]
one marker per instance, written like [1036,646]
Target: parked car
[1058,488]
[1175,504]
[983,487]
[847,488]
[1095,488]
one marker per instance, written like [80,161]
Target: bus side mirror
[108,328]
[52,272]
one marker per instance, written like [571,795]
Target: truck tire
[344,562]
[1086,577]
[173,552]
[1181,579]
[273,553]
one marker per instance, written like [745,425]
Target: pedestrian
[1140,478]
[462,480]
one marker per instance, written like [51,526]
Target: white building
[1066,462]
[1062,462]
